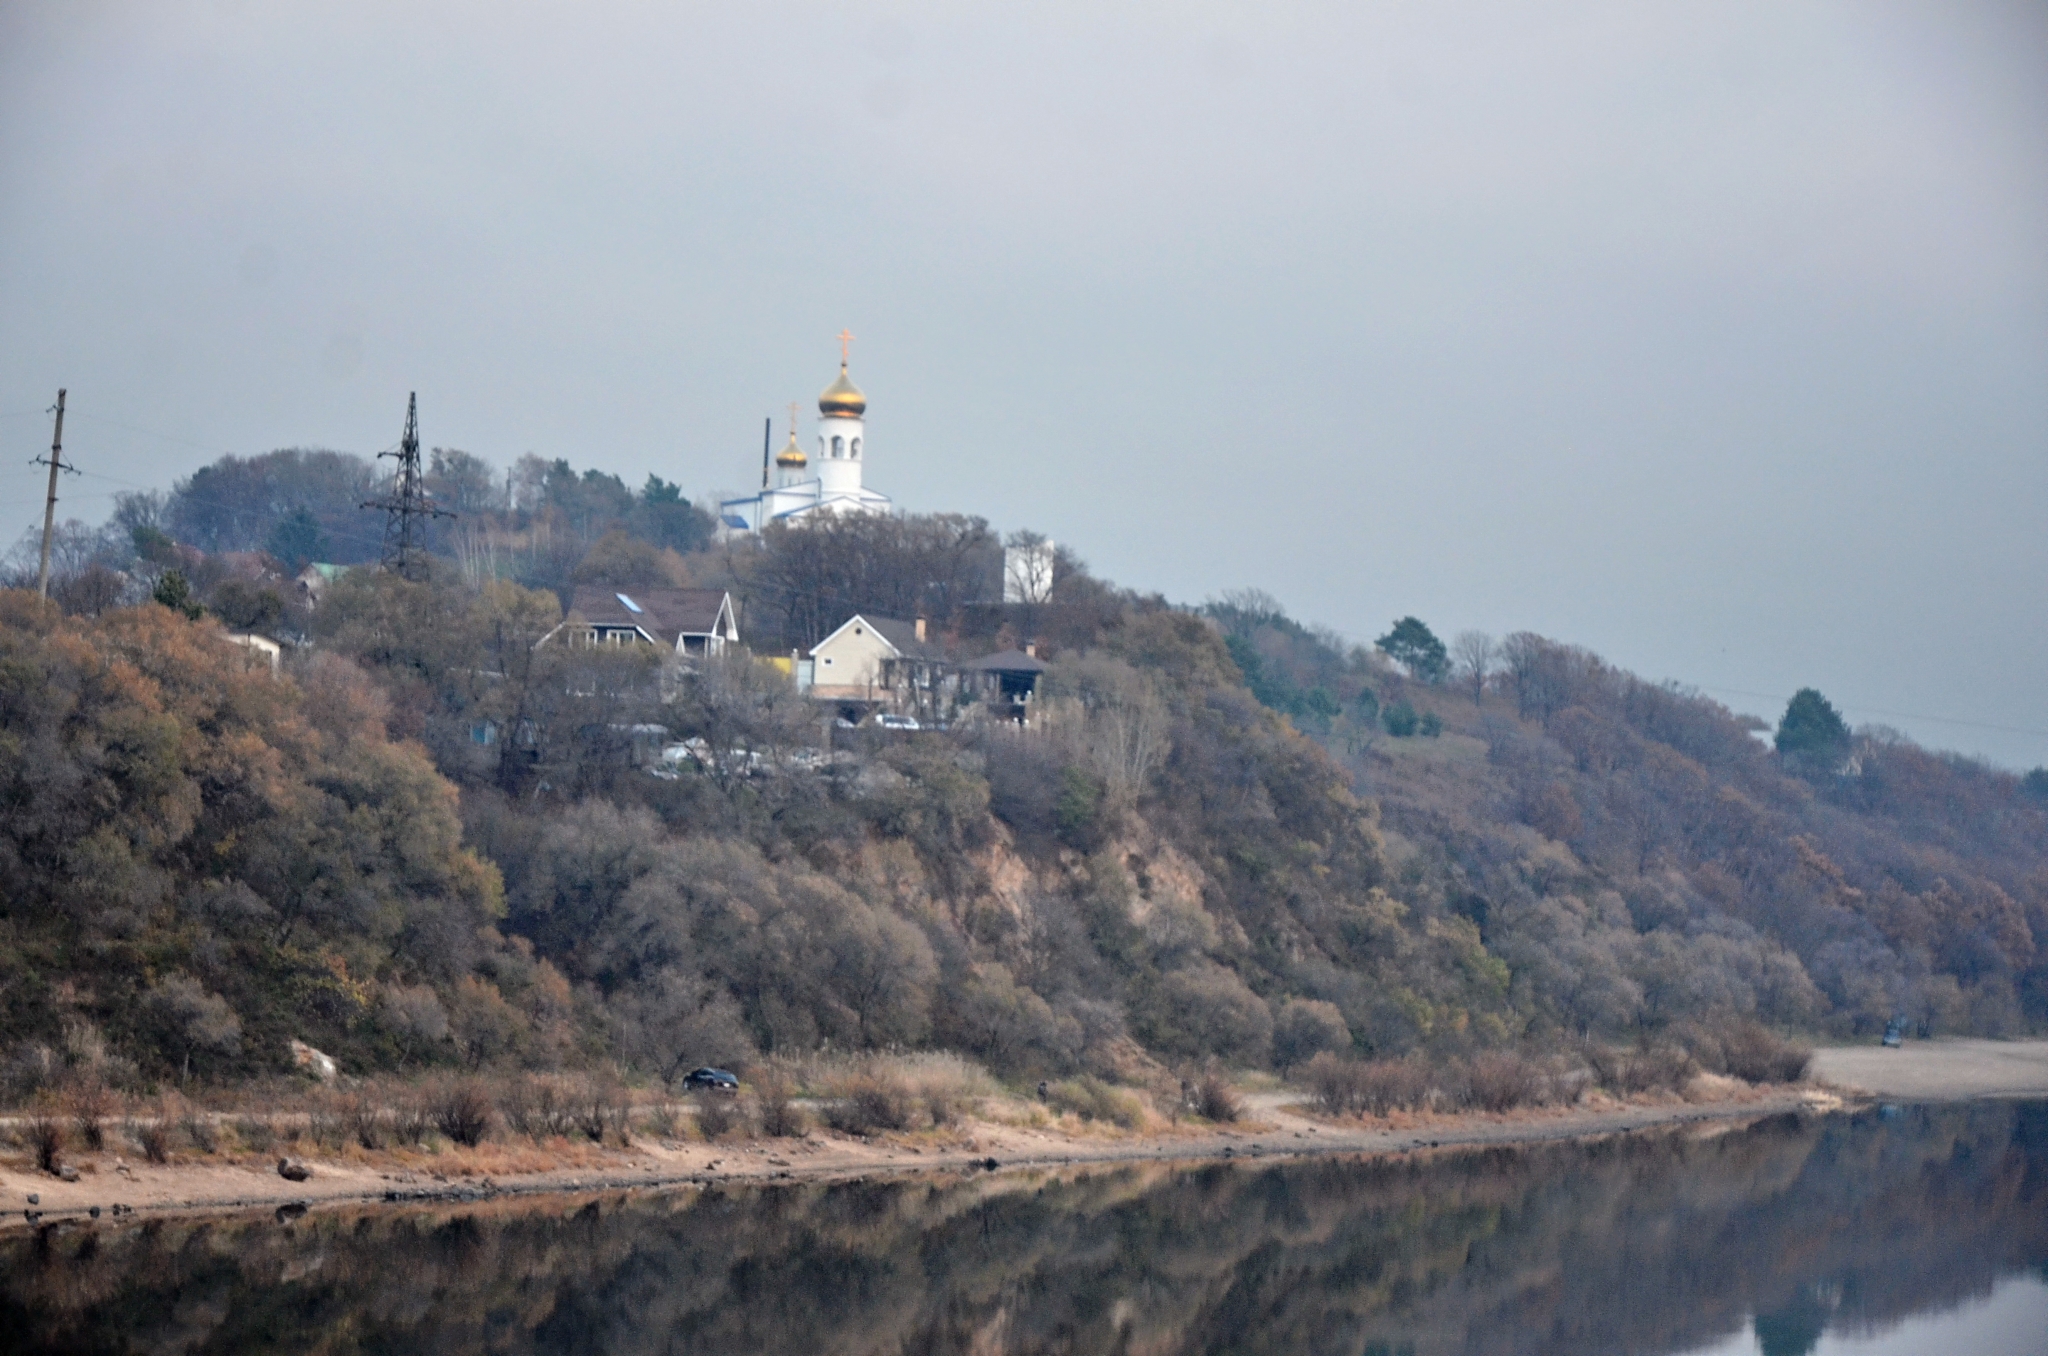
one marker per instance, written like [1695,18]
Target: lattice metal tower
[407,508]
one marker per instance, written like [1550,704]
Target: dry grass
[1094,1100]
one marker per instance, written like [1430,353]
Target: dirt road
[1938,1071]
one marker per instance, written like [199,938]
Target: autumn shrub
[1502,1080]
[1388,1085]
[152,1133]
[1094,1100]
[89,1103]
[661,1120]
[870,1102]
[1645,1068]
[1751,1052]
[1334,1082]
[201,1131]
[326,1124]
[462,1110]
[717,1114]
[601,1108]
[412,1115]
[775,1110]
[1342,1086]
[255,1133]
[1215,1100]
[43,1129]
[362,1108]
[529,1106]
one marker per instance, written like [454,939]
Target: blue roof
[734,520]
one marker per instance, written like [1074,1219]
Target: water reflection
[1764,1238]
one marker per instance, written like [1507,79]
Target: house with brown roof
[692,623]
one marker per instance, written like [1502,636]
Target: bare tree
[1125,735]
[1474,655]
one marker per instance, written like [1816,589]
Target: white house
[873,662]
[829,482]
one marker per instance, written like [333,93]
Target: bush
[1400,719]
[603,1107]
[1644,1069]
[1342,1086]
[871,1102]
[43,1128]
[535,1107]
[1333,1080]
[326,1125]
[412,1116]
[1094,1100]
[716,1114]
[1501,1080]
[363,1111]
[200,1129]
[774,1108]
[1216,1100]
[256,1134]
[89,1103]
[462,1111]
[1751,1052]
[1305,1028]
[153,1137]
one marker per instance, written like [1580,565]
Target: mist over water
[1787,1236]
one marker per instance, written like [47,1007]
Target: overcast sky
[1713,337]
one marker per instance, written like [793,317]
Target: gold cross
[792,419]
[845,346]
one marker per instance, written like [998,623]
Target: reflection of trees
[1647,1244]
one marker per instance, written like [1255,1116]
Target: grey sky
[1714,337]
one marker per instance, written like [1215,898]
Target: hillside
[428,842]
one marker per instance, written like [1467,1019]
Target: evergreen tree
[1812,736]
[1415,647]
[297,539]
[174,591]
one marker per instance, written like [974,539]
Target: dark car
[710,1080]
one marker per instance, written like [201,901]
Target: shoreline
[1276,1125]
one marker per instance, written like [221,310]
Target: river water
[1914,1229]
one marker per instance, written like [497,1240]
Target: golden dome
[842,399]
[792,455]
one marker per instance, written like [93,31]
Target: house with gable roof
[690,623]
[877,663]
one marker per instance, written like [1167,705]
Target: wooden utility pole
[56,464]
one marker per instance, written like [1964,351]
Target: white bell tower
[841,430]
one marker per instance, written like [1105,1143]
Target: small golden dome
[842,399]
[792,455]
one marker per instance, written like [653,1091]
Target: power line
[1880,711]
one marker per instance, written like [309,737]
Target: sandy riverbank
[1937,1071]
[1276,1125]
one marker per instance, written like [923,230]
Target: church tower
[792,467]
[829,482]
[841,430]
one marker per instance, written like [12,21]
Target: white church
[799,485]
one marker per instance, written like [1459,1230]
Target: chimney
[920,630]
[1031,648]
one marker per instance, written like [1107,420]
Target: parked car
[1895,1032]
[889,721]
[710,1080]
